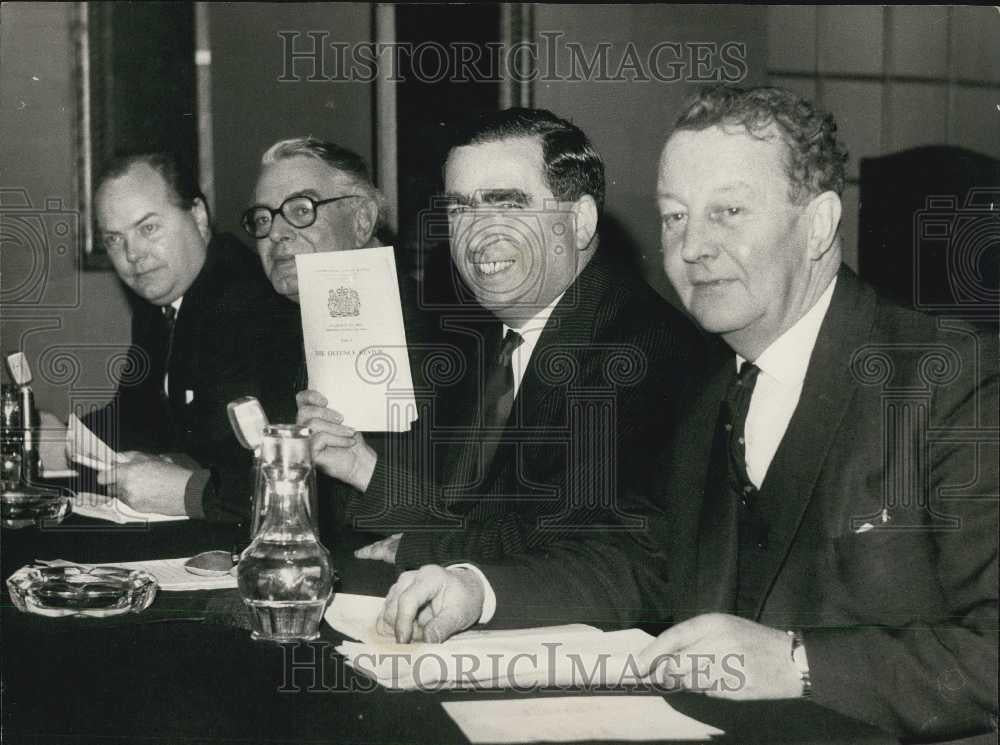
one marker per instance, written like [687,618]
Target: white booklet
[355,343]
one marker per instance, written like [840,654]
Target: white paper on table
[543,657]
[355,342]
[355,616]
[104,507]
[87,448]
[170,573]
[572,655]
[569,718]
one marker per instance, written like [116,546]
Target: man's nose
[281,233]
[135,250]
[698,242]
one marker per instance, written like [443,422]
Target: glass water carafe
[285,576]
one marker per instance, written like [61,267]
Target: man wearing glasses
[313,196]
[206,328]
[310,197]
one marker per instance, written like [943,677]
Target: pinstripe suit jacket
[597,393]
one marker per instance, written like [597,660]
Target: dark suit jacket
[900,621]
[598,389]
[233,336]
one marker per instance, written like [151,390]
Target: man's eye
[725,213]
[302,210]
[505,206]
[149,229]
[111,242]
[262,220]
[672,219]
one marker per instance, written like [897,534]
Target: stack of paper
[103,507]
[574,656]
[355,343]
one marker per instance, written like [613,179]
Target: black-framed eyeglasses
[298,211]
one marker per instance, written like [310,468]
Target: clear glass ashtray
[74,590]
[24,506]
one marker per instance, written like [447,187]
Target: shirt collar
[532,328]
[787,358]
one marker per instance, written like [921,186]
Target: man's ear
[823,220]
[200,214]
[585,219]
[365,219]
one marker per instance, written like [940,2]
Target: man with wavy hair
[568,377]
[829,513]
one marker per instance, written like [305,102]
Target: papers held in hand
[355,343]
[87,448]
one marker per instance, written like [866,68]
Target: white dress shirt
[530,332]
[783,368]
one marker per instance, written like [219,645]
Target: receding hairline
[130,171]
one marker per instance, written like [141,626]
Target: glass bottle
[285,577]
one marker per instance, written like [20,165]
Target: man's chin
[154,295]
[287,287]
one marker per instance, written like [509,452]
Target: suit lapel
[572,326]
[540,403]
[826,394]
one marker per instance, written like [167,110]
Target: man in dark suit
[558,404]
[314,196]
[834,520]
[206,329]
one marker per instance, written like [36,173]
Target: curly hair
[815,160]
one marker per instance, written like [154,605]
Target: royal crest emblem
[344,301]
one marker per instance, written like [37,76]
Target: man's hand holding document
[355,342]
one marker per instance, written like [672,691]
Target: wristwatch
[798,653]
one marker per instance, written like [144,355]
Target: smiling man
[828,511]
[206,329]
[567,379]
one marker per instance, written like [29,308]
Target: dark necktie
[738,404]
[169,320]
[498,397]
